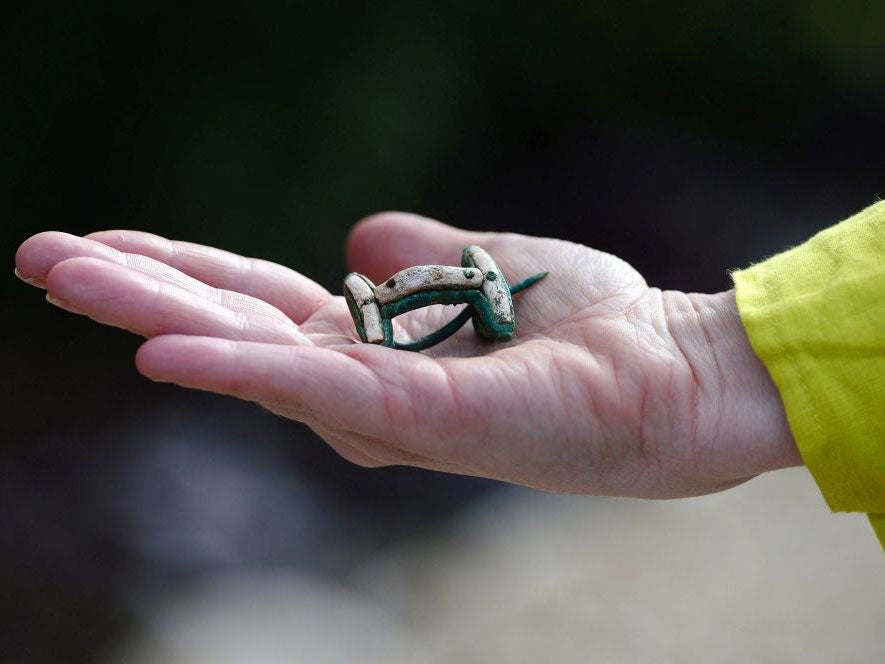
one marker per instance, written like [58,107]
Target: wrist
[752,419]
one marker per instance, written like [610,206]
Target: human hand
[608,387]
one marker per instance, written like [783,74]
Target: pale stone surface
[426,277]
[760,573]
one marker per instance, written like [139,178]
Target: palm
[594,394]
[581,280]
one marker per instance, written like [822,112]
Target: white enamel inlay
[371,316]
[427,277]
[359,288]
[494,289]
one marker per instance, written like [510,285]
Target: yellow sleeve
[815,315]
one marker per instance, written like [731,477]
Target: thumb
[385,243]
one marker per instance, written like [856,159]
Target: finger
[40,253]
[329,390]
[385,243]
[293,293]
[395,408]
[132,300]
[323,387]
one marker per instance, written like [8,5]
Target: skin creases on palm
[594,394]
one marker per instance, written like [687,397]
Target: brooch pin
[478,283]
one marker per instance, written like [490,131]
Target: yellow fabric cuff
[815,315]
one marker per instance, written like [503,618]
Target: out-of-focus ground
[761,573]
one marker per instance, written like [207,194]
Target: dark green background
[685,137]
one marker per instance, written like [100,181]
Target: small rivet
[468,274]
[491,276]
[391,283]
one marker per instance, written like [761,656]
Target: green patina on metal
[488,299]
[458,322]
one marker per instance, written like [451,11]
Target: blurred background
[143,523]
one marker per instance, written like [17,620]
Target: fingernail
[33,281]
[61,304]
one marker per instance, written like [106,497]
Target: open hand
[608,386]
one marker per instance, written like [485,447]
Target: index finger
[289,291]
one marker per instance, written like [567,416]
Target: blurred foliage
[846,37]
[271,127]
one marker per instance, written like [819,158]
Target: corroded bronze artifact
[478,283]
